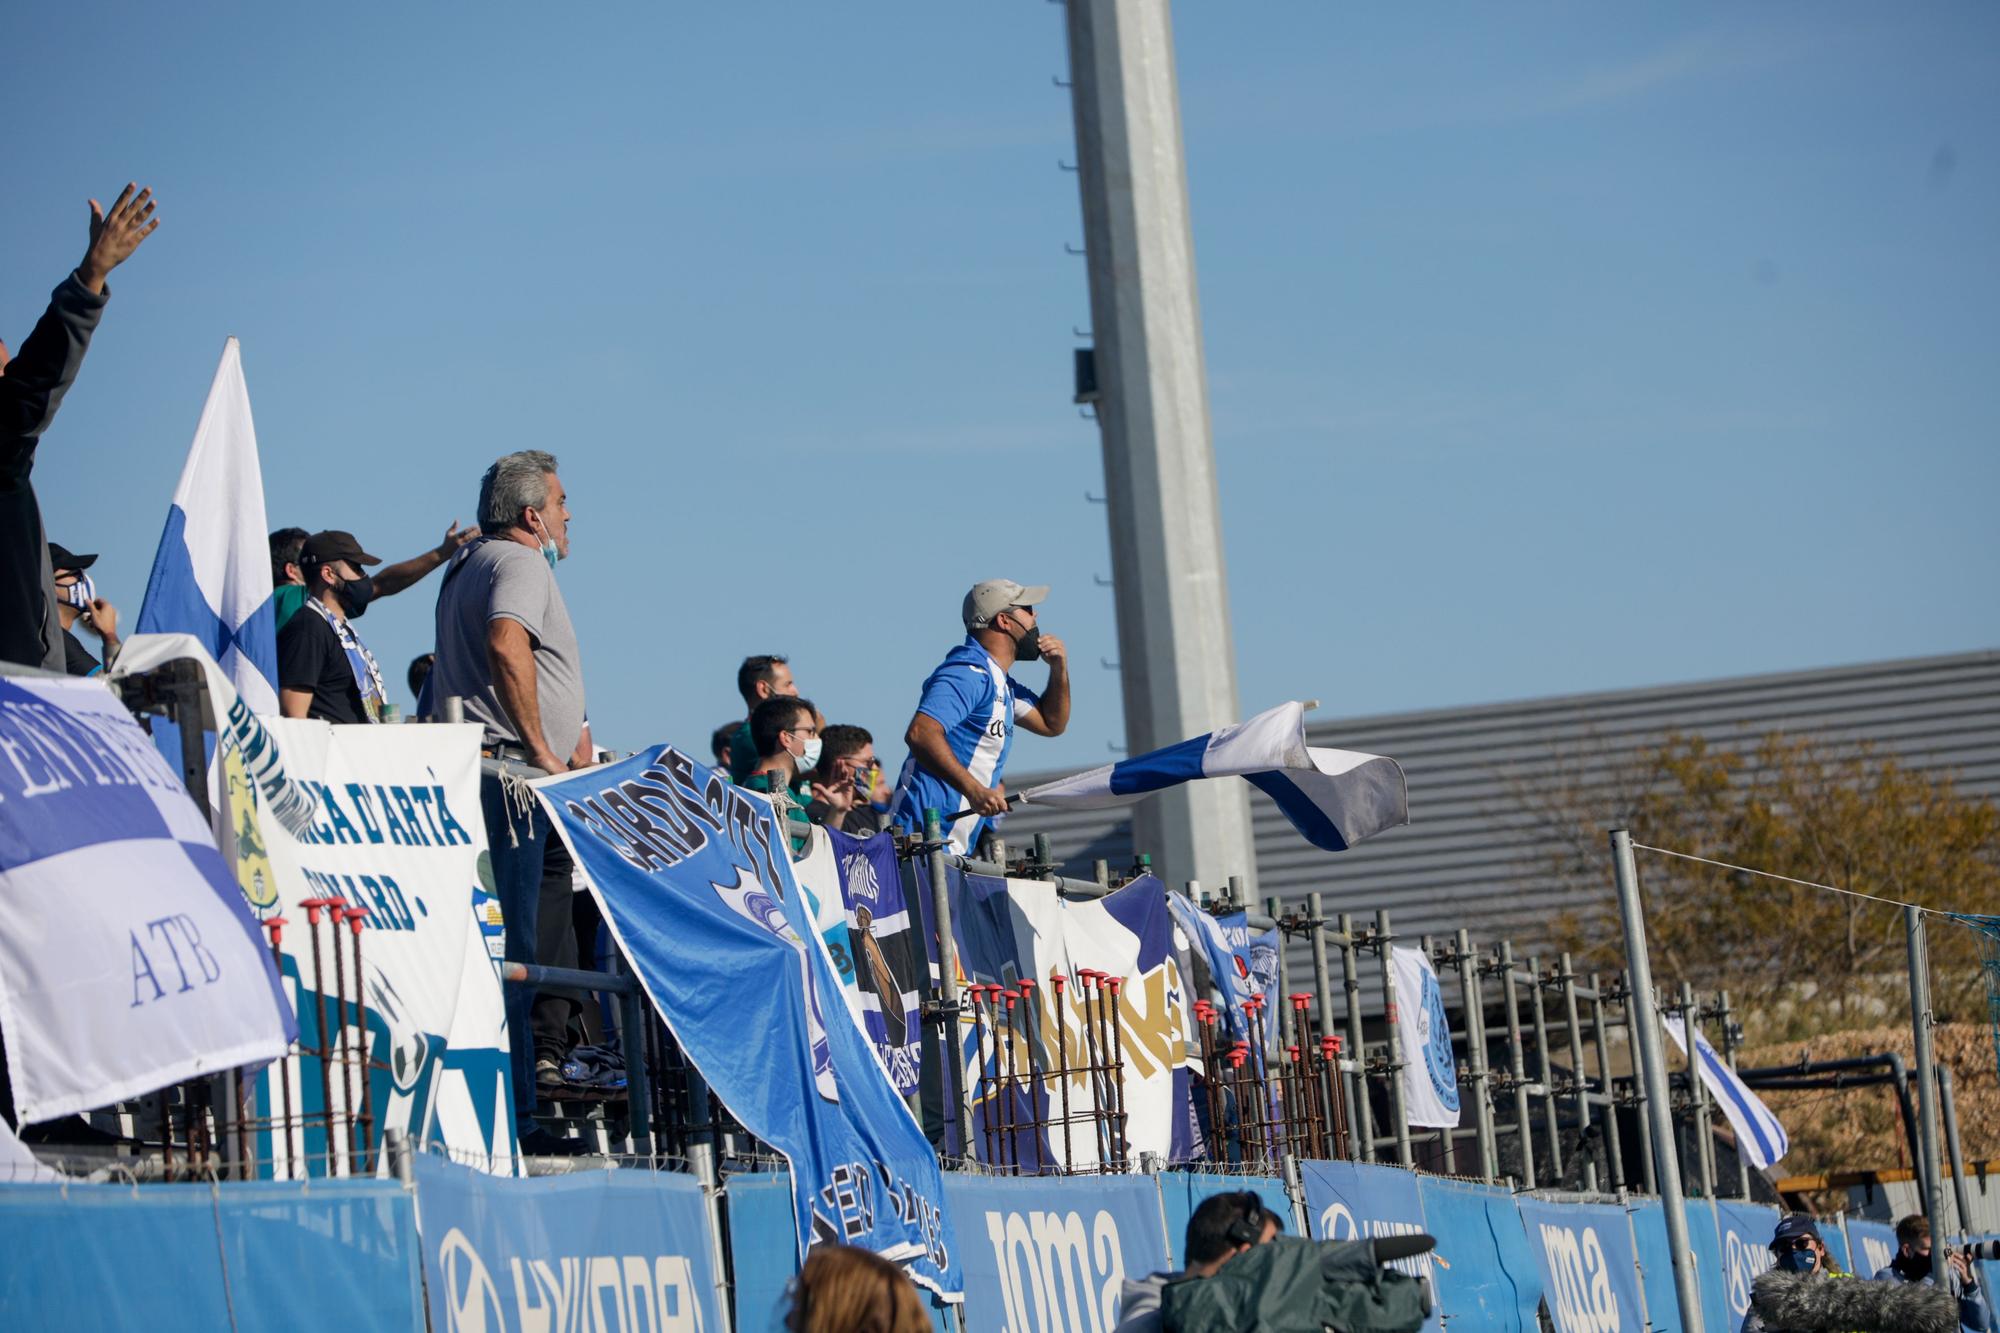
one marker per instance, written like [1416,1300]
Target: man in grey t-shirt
[506,647]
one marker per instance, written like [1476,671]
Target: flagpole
[1652,1055]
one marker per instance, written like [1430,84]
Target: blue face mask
[1798,1261]
[549,551]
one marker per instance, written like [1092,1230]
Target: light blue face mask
[549,551]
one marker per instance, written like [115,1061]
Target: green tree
[1796,960]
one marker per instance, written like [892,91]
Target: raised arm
[33,382]
[392,579]
[1050,715]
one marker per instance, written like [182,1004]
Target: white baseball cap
[989,599]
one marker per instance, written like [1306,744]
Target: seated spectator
[845,1289]
[288,580]
[759,678]
[78,601]
[719,742]
[848,785]
[324,670]
[32,386]
[1221,1227]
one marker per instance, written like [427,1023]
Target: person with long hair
[842,1289]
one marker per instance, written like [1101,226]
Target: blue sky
[1551,348]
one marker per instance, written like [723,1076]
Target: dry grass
[1860,1129]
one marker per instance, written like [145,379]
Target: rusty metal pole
[1057,981]
[275,927]
[356,918]
[314,906]
[1038,1101]
[1115,984]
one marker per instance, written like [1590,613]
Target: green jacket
[1298,1286]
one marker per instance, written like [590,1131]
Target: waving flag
[1759,1136]
[1334,798]
[212,574]
[696,880]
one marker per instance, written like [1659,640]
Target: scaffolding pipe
[1392,1037]
[1517,1066]
[1362,1122]
[1566,976]
[1654,1083]
[1478,1075]
[1698,1113]
[1927,1086]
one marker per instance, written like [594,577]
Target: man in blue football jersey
[965,721]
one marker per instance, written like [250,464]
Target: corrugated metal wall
[1476,852]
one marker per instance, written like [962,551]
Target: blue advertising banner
[762,1257]
[1834,1233]
[1486,1275]
[1590,1276]
[1656,1266]
[1358,1201]
[1705,1239]
[337,1256]
[1181,1192]
[1872,1245]
[617,1251]
[1745,1231]
[1050,1255]
[695,879]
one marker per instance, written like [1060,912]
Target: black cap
[1796,1225]
[61,557]
[325,547]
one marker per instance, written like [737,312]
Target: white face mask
[808,758]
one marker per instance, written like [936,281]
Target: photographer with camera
[1913,1264]
[1808,1293]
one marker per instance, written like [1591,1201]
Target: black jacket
[30,392]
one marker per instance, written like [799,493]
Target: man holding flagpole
[32,386]
[965,720]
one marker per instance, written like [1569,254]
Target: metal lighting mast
[1175,651]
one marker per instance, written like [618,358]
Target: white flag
[1334,798]
[1430,1068]
[212,572]
[1759,1136]
[129,959]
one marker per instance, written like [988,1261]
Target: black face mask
[1913,1267]
[354,595]
[1028,648]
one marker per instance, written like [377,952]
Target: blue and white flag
[1334,798]
[1430,1066]
[695,878]
[1240,964]
[212,574]
[128,958]
[1759,1136]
